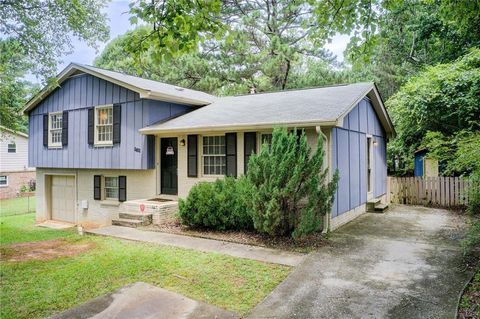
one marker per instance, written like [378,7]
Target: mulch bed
[305,245]
[43,250]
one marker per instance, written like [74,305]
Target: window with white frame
[3,181]
[12,147]
[266,138]
[214,155]
[111,188]
[55,122]
[104,125]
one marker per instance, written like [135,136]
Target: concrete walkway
[207,245]
[144,301]
[402,264]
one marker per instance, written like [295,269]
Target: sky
[118,19]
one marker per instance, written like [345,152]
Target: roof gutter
[170,98]
[233,127]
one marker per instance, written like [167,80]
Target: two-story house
[15,173]
[102,141]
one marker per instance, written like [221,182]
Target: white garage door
[63,198]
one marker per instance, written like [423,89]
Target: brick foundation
[15,182]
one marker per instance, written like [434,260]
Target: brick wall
[15,182]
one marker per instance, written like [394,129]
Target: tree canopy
[43,29]
[443,98]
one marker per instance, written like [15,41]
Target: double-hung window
[111,188]
[266,138]
[55,122]
[3,181]
[104,125]
[214,155]
[12,147]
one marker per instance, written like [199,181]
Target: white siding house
[15,174]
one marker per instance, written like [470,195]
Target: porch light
[375,143]
[182,142]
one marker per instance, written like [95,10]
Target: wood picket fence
[430,191]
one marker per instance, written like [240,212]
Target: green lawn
[19,205]
[32,289]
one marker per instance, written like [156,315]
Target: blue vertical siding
[76,95]
[349,146]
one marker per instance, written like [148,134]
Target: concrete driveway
[405,263]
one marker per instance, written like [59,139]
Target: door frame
[47,196]
[160,191]
[370,165]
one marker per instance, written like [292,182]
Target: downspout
[326,161]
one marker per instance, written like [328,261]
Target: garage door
[63,198]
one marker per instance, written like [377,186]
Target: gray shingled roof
[153,86]
[319,105]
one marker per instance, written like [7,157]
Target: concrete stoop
[376,206]
[143,212]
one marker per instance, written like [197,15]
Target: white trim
[14,147]
[202,156]
[98,143]
[6,179]
[104,197]
[234,127]
[50,129]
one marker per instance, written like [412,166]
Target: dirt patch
[43,250]
[305,245]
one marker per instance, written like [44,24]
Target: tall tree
[44,28]
[412,35]
[261,41]
[443,99]
[211,71]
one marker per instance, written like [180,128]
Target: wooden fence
[430,191]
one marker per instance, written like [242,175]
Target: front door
[168,160]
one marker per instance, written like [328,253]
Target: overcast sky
[117,12]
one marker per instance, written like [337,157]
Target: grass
[19,205]
[21,228]
[33,289]
[470,302]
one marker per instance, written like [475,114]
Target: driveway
[405,263]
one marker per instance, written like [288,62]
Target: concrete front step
[371,204]
[134,223]
[136,216]
[381,208]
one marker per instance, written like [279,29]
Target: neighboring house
[102,138]
[15,174]
[425,166]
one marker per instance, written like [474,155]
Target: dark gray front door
[168,159]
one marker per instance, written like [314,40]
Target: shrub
[474,195]
[290,194]
[219,205]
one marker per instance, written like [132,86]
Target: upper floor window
[3,181]
[55,123]
[214,155]
[104,125]
[12,147]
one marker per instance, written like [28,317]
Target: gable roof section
[319,106]
[147,89]
[13,132]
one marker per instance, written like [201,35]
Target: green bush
[219,205]
[472,239]
[290,190]
[473,207]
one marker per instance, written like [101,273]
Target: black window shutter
[97,187]
[150,151]
[250,147]
[117,118]
[91,126]
[192,144]
[122,188]
[231,154]
[45,130]
[65,128]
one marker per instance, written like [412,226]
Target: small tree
[290,189]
